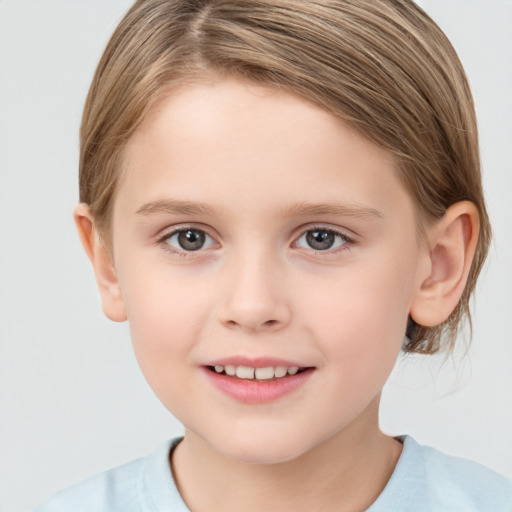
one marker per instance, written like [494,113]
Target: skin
[254,156]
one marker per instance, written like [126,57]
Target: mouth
[257,385]
[268,373]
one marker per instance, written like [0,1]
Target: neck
[345,473]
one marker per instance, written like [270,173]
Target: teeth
[280,371]
[246,372]
[264,373]
[230,370]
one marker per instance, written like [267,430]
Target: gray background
[73,401]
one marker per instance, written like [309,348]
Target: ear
[104,270]
[451,246]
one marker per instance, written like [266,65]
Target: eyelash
[345,246]
[347,240]
[163,241]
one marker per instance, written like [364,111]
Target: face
[256,234]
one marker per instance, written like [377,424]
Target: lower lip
[250,391]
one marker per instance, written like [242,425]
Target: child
[279,196]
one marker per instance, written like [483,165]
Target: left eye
[321,239]
[189,240]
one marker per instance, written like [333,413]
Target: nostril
[267,325]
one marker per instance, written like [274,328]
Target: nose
[254,296]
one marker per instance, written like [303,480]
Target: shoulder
[464,483]
[429,480]
[140,485]
[100,493]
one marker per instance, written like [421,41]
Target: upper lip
[254,362]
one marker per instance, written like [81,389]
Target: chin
[274,448]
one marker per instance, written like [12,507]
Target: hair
[383,66]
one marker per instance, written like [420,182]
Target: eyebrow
[337,209]
[173,206]
[179,207]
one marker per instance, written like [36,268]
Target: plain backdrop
[73,401]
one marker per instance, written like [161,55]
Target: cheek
[165,318]
[359,318]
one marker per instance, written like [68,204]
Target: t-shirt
[424,480]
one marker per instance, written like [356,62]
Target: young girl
[280,196]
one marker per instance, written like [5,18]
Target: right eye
[188,240]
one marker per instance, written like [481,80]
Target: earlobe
[452,242]
[104,270]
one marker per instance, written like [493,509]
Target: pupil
[320,239]
[191,240]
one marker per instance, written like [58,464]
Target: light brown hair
[382,65]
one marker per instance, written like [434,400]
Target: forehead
[241,144]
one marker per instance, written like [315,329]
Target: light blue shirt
[424,480]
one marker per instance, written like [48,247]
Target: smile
[247,372]
[257,385]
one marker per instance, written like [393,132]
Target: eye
[321,239]
[189,240]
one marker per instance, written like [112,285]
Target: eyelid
[169,232]
[349,239]
[344,232]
